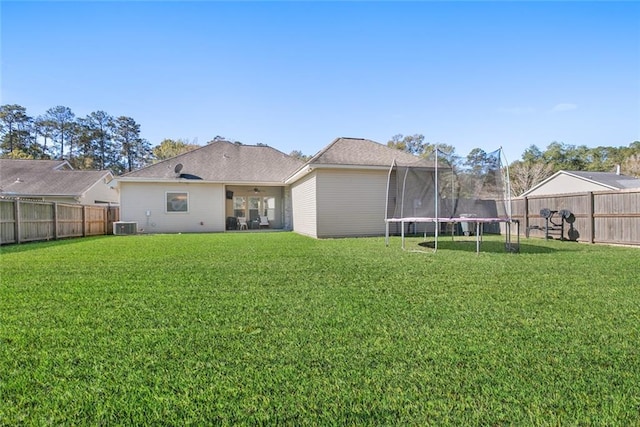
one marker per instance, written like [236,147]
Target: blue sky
[296,75]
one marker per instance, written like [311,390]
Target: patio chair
[264,221]
[242,223]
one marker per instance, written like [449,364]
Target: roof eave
[194,181]
[309,167]
[40,195]
[303,171]
[347,166]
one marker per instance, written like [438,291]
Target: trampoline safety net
[441,186]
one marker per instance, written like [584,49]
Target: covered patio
[255,207]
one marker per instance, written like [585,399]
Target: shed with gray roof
[566,182]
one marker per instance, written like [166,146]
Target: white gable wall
[100,192]
[206,207]
[565,184]
[304,205]
[351,202]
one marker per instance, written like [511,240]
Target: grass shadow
[490,246]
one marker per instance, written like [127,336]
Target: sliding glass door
[254,208]
[255,204]
[239,206]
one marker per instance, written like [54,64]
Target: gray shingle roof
[610,179]
[45,178]
[222,161]
[362,152]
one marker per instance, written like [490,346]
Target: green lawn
[276,328]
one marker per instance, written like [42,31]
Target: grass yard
[276,328]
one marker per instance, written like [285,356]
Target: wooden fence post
[55,220]
[84,221]
[104,223]
[592,220]
[526,215]
[17,229]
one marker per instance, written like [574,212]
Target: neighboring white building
[339,192]
[55,181]
[566,182]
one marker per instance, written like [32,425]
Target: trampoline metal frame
[438,220]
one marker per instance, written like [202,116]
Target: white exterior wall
[101,192]
[304,205]
[563,184]
[206,207]
[351,202]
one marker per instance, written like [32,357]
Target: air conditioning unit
[122,228]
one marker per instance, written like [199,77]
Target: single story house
[339,192]
[566,182]
[207,189]
[55,181]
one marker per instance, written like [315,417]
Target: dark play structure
[554,223]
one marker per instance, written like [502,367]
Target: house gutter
[41,197]
[306,169]
[116,181]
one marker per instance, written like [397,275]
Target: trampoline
[442,190]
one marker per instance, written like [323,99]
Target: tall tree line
[97,141]
[535,164]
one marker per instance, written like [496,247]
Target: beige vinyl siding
[351,202]
[206,207]
[304,205]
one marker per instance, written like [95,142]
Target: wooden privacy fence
[28,221]
[600,217]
